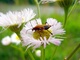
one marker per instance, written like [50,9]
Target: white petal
[28,14]
[35,22]
[57,30]
[36,44]
[44,41]
[28,26]
[51,21]
[26,41]
[56,27]
[55,41]
[26,32]
[39,21]
[30,42]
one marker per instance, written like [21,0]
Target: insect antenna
[31,26]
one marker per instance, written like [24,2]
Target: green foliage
[17,2]
[7,1]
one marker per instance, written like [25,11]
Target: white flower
[42,37]
[15,39]
[6,40]
[16,18]
[38,53]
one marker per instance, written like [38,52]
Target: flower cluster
[34,33]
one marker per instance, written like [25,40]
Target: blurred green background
[51,10]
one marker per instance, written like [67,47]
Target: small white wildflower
[6,40]
[16,18]
[15,39]
[38,53]
[36,38]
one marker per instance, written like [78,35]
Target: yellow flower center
[17,38]
[41,33]
[23,19]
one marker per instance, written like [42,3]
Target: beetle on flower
[36,38]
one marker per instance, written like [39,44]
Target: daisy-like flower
[15,39]
[6,41]
[35,34]
[16,17]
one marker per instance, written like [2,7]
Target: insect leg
[50,32]
[40,35]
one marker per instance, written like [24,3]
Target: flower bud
[38,53]
[6,41]
[66,3]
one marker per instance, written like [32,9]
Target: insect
[42,27]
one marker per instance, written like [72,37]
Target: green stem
[16,2]
[53,53]
[73,52]
[42,53]
[38,8]
[28,51]
[66,14]
[30,54]
[21,51]
[72,8]
[22,54]
[40,2]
